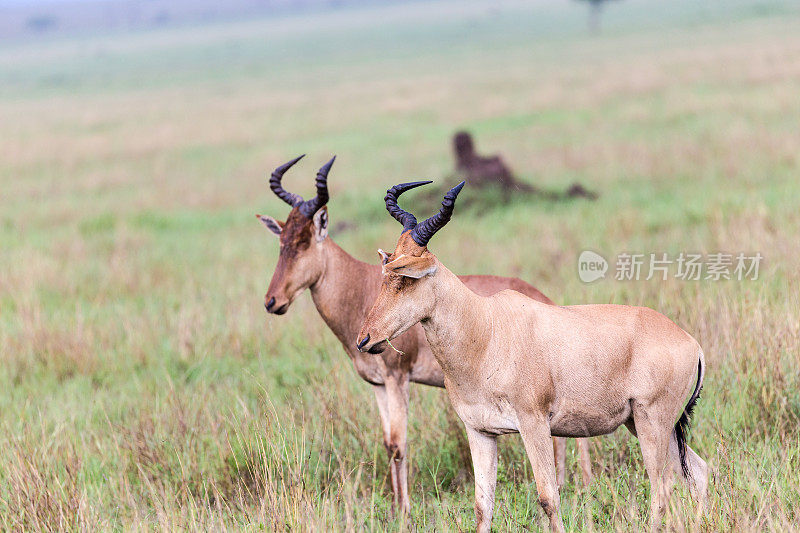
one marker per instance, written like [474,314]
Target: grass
[142,384]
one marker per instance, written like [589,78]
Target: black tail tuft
[682,427]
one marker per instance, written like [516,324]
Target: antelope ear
[383,257]
[273,225]
[321,223]
[412,267]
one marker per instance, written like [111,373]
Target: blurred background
[142,385]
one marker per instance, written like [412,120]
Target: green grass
[144,387]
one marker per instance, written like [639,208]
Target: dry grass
[144,388]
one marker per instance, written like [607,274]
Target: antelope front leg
[393,406]
[483,449]
[535,432]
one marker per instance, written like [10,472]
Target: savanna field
[142,384]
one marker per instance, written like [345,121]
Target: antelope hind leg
[698,471]
[654,436]
[560,453]
[585,459]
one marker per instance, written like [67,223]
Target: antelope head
[407,294]
[301,259]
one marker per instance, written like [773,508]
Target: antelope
[343,289]
[513,364]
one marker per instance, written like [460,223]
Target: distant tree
[595,10]
[41,23]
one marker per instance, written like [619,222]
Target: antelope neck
[460,326]
[341,292]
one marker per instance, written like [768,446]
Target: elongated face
[407,290]
[405,297]
[300,261]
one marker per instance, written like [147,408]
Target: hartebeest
[513,364]
[343,289]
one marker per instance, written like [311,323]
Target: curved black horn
[423,231]
[404,217]
[310,207]
[275,183]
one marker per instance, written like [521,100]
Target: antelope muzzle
[366,344]
[274,306]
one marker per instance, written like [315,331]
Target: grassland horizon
[144,387]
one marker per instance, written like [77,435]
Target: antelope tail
[682,426]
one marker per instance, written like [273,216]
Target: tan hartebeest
[343,290]
[513,364]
